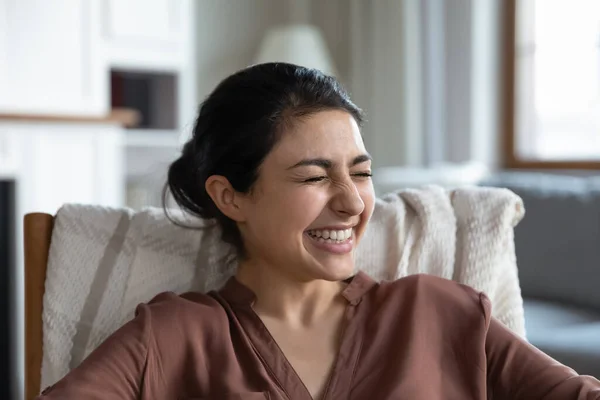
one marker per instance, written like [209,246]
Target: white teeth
[339,235]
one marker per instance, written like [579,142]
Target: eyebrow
[328,164]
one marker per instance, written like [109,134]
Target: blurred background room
[97,97]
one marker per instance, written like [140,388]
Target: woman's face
[312,200]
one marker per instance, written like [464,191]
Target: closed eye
[315,179]
[322,178]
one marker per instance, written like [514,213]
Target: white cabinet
[72,166]
[149,22]
[67,163]
[50,62]
[4,95]
[146,34]
[9,155]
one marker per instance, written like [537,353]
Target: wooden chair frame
[37,233]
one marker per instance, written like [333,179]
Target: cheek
[367,194]
[302,199]
[370,203]
[289,211]
[304,206]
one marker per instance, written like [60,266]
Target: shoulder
[185,300]
[170,315]
[443,310]
[182,330]
[432,292]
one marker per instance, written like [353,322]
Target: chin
[328,265]
[337,271]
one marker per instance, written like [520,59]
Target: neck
[287,298]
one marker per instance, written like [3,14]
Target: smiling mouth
[331,236]
[342,244]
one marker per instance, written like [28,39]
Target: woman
[278,160]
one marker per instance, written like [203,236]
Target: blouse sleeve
[518,370]
[114,370]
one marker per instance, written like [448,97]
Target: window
[553,83]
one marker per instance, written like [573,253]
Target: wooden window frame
[511,160]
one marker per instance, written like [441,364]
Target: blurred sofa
[558,253]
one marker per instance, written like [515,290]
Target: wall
[381,81]
[333,18]
[229,34]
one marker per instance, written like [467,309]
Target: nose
[347,200]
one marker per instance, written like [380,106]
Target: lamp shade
[297,44]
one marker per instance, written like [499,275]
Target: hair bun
[186,181]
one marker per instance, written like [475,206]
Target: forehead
[333,134]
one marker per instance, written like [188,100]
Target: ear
[225,197]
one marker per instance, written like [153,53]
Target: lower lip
[335,248]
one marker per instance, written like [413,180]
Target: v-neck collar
[239,294]
[338,386]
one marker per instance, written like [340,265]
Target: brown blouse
[417,338]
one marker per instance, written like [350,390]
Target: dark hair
[237,126]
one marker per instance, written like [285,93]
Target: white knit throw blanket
[103,262]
